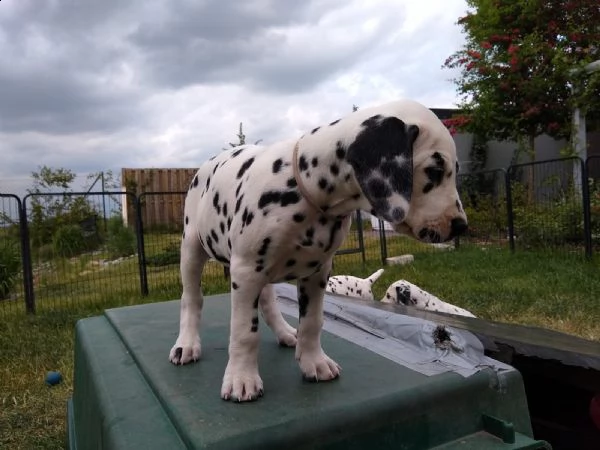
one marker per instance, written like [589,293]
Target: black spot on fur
[334,122]
[323,183]
[323,220]
[315,130]
[247,217]
[428,187]
[244,167]
[214,253]
[314,162]
[302,302]
[265,245]
[291,183]
[225,209]
[214,235]
[237,152]
[216,203]
[187,220]
[340,150]
[234,285]
[222,226]
[237,190]
[207,183]
[195,182]
[313,264]
[277,165]
[302,164]
[290,262]
[229,223]
[334,169]
[378,188]
[298,217]
[284,198]
[337,225]
[238,204]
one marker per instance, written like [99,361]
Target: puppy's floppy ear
[382,159]
[405,183]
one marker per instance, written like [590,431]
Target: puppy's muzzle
[458,226]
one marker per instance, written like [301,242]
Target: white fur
[405,293]
[353,286]
[245,209]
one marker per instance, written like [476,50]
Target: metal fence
[483,196]
[66,249]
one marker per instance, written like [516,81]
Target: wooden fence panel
[163,206]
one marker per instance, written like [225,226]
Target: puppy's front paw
[317,366]
[185,350]
[241,384]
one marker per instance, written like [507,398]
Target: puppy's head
[404,160]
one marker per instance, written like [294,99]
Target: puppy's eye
[435,174]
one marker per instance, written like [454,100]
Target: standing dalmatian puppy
[279,212]
[353,286]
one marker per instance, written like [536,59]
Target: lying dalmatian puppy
[403,292]
[279,212]
[353,286]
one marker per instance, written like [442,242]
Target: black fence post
[26,258]
[587,215]
[361,241]
[509,210]
[382,241]
[140,243]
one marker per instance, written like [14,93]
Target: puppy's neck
[324,176]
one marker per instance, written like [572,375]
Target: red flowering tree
[517,67]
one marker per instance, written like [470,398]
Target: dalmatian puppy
[403,292]
[353,286]
[279,212]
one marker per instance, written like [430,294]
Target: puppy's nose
[458,226]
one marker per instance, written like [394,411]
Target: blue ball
[53,378]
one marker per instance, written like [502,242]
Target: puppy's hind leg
[286,334]
[193,257]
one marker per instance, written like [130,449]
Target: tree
[520,63]
[51,206]
[241,138]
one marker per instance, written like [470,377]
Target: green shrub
[10,265]
[69,241]
[170,255]
[120,240]
[549,225]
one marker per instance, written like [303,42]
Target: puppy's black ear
[382,159]
[412,133]
[403,296]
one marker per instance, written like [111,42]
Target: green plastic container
[128,396]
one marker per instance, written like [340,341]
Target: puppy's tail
[374,276]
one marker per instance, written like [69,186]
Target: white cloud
[100,86]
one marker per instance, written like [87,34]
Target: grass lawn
[556,291]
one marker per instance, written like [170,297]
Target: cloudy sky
[94,85]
